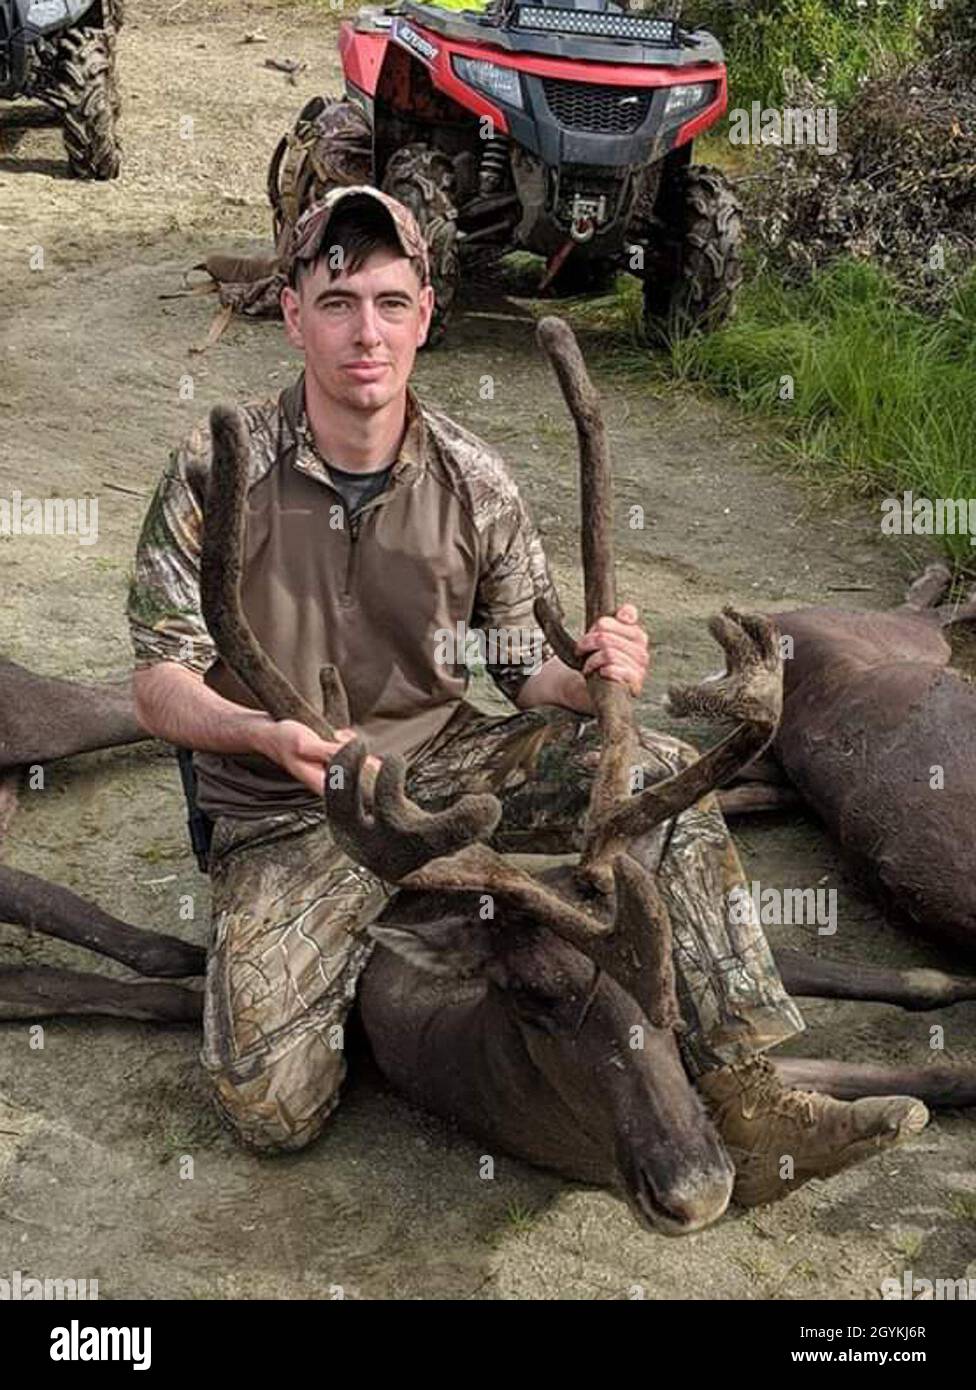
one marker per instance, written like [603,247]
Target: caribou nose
[680,1208]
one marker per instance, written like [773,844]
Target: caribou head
[548,1028]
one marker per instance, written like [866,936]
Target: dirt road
[95,1126]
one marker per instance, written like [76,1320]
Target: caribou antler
[404,844]
[398,837]
[749,691]
[635,947]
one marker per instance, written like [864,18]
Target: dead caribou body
[878,736]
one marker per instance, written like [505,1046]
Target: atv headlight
[682,99]
[490,78]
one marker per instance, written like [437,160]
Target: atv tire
[424,180]
[85,92]
[692,278]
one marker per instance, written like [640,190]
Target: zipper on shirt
[354,526]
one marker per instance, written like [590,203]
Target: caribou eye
[542,1012]
[549,1024]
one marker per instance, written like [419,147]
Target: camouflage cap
[310,230]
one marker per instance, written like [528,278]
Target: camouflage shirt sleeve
[165,620]
[514,573]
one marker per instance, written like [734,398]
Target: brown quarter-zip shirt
[446,547]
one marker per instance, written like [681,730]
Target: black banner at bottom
[196,1338]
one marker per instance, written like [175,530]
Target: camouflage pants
[291,911]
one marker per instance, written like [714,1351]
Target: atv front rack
[566,32]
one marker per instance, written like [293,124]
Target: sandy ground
[95,1125]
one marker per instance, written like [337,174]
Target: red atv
[564,130]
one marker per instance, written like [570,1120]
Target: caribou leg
[938,1087]
[925,593]
[43,718]
[38,991]
[46,907]
[918,989]
[950,616]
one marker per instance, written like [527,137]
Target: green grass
[907,1243]
[884,399]
[963,1204]
[520,1217]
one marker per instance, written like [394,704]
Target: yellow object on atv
[479,6]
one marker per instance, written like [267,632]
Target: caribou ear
[450,946]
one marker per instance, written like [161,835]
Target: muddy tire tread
[85,91]
[709,272]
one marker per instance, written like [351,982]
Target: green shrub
[836,42]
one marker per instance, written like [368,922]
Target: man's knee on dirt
[285,1105]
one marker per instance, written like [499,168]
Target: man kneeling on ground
[374,521]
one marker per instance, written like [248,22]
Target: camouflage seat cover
[331,145]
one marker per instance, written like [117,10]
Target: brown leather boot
[762,1124]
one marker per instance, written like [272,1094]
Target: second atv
[61,53]
[565,130]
